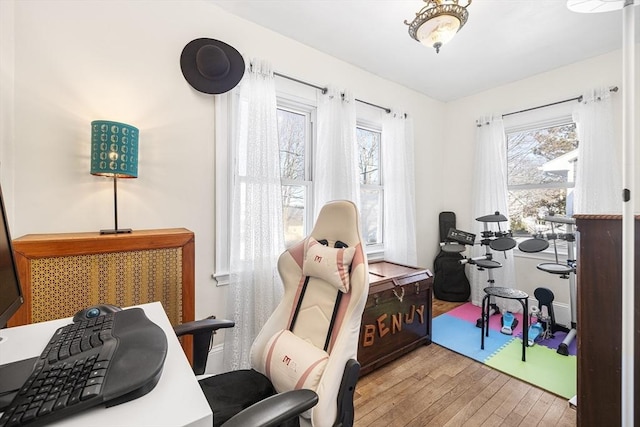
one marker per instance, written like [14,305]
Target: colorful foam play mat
[544,367]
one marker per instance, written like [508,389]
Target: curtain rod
[324,90]
[577,98]
[320,88]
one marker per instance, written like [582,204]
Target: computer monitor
[10,290]
[12,375]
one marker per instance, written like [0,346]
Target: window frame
[297,105]
[223,152]
[288,96]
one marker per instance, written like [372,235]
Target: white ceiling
[503,40]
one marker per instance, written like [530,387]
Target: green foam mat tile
[543,368]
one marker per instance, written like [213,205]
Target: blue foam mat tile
[464,338]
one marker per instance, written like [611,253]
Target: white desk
[177,399]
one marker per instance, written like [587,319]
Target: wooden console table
[63,273]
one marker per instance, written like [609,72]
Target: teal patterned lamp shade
[114,149]
[114,153]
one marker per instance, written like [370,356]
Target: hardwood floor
[433,386]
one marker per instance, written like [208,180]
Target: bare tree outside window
[292,134]
[541,168]
[369,156]
[296,139]
[371,190]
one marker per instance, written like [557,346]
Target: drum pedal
[493,309]
[535,331]
[509,323]
[479,323]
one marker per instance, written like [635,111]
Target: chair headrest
[338,220]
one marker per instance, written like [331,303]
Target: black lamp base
[116,231]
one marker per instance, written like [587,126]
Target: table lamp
[114,153]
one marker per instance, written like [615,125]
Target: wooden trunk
[397,315]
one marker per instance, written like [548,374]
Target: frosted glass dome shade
[438,30]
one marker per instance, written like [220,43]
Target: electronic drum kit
[502,241]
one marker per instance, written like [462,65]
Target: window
[295,136]
[541,163]
[371,190]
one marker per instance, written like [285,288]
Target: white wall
[7,61]
[78,61]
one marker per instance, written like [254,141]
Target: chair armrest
[201,331]
[201,326]
[274,410]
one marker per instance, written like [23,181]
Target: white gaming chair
[310,341]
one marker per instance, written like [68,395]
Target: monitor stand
[12,376]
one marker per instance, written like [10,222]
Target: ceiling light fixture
[437,22]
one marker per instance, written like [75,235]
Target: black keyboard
[109,359]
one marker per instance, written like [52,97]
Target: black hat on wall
[211,66]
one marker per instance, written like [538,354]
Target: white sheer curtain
[336,158]
[598,174]
[399,189]
[256,220]
[489,195]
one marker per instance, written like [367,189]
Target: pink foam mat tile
[471,313]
